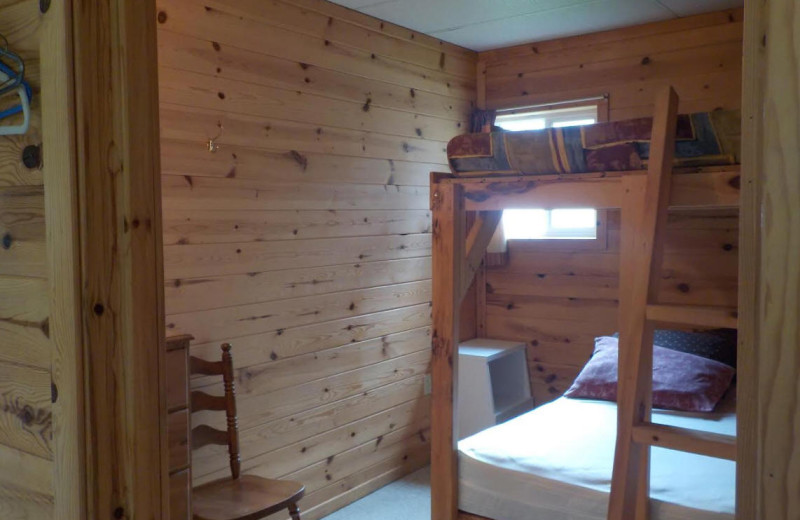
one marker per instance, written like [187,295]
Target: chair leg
[294,511]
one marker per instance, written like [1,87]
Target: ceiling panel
[433,15]
[569,21]
[690,7]
[488,24]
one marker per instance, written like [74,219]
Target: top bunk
[593,165]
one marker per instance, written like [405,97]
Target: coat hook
[212,144]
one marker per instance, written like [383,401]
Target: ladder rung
[684,439]
[693,316]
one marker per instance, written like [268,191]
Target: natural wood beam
[768,411]
[449,220]
[706,188]
[477,241]
[63,251]
[117,131]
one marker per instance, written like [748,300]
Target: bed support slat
[693,316]
[683,439]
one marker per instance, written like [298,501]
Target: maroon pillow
[681,381]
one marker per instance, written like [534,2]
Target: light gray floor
[406,499]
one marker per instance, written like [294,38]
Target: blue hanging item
[14,77]
[12,81]
[7,74]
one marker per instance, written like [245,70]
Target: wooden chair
[245,497]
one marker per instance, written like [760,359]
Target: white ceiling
[488,24]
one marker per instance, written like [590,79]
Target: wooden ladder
[644,219]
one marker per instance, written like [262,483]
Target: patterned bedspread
[703,139]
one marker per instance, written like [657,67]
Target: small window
[537,224]
[541,119]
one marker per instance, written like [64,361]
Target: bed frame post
[449,245]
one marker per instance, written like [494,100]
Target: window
[554,118]
[537,224]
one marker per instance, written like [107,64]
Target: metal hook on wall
[212,144]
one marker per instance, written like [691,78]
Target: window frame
[600,242]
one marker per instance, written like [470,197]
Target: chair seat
[247,498]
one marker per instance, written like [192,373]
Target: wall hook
[212,144]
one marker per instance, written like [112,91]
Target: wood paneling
[700,56]
[26,350]
[305,239]
[559,300]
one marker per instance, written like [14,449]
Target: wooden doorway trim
[117,129]
[103,205]
[63,260]
[768,465]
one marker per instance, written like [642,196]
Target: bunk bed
[612,166]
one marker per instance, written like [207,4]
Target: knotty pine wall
[559,300]
[26,430]
[305,239]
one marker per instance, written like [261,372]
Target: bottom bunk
[554,463]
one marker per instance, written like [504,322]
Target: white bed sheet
[554,463]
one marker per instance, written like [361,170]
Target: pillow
[681,381]
[719,344]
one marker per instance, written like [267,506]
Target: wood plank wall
[26,433]
[305,239]
[701,56]
[559,300]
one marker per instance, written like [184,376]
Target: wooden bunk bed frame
[644,198]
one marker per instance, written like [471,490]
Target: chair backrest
[203,435]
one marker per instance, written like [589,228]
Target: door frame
[768,461]
[103,219]
[102,199]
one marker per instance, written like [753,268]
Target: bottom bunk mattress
[555,463]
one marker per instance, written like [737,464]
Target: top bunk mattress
[702,139]
[554,463]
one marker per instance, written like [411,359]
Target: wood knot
[26,415]
[162,17]
[299,158]
[32,156]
